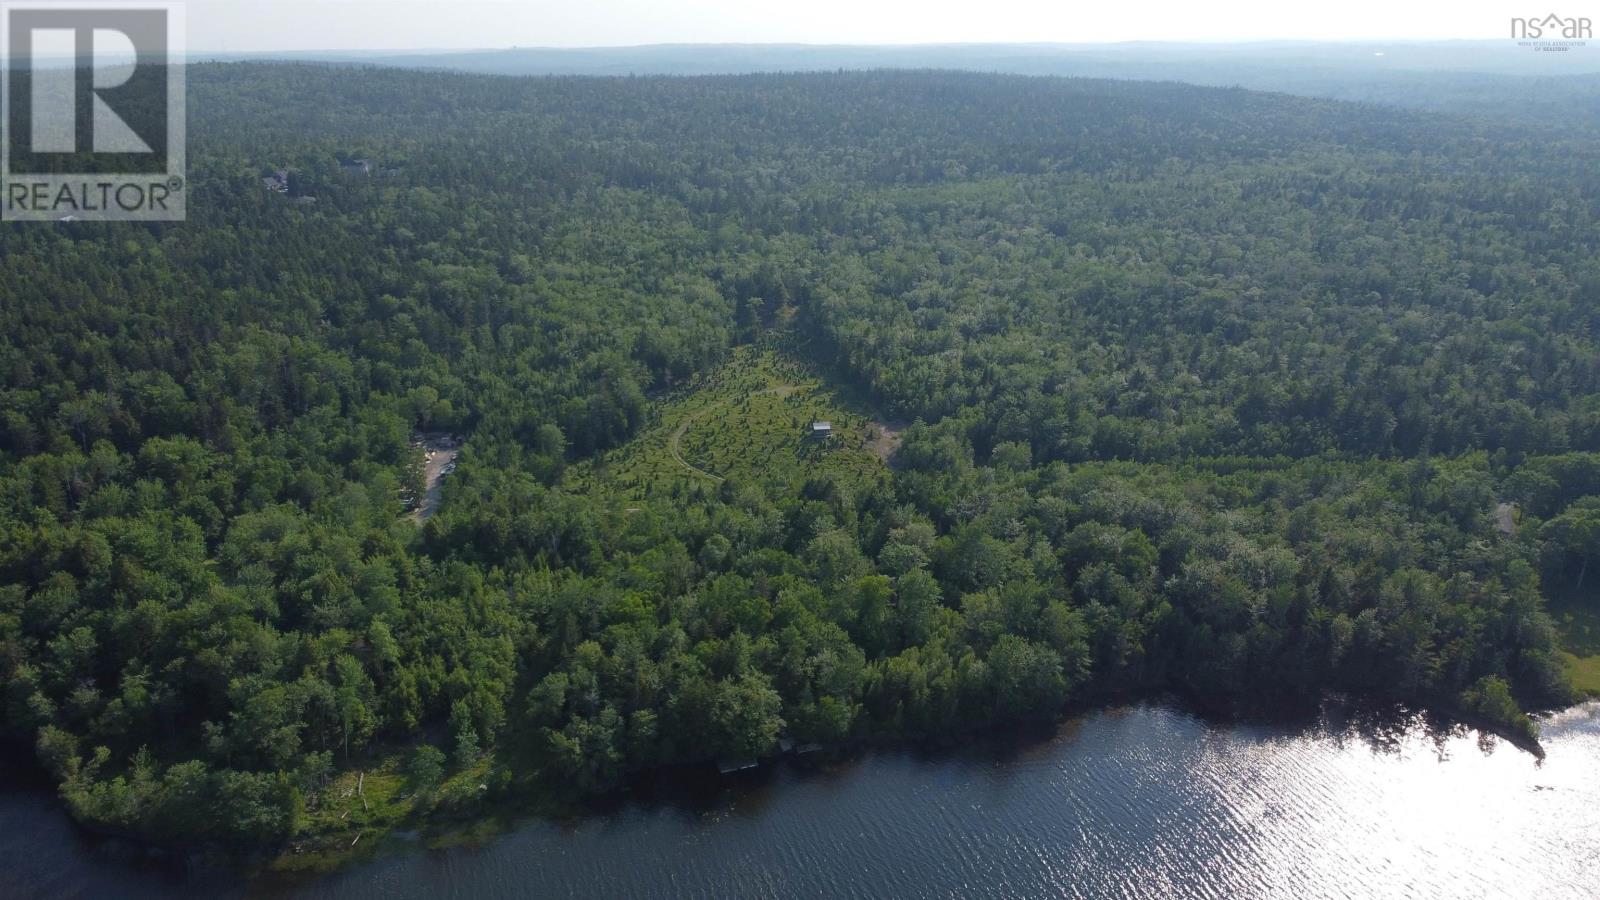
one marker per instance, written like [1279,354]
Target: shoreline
[312,855]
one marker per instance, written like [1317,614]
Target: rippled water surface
[1143,801]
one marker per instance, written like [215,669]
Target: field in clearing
[748,421]
[1580,640]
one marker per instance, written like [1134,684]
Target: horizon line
[1190,42]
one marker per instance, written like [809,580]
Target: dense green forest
[1238,395]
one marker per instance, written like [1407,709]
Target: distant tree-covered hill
[1500,80]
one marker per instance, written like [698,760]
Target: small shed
[821,429]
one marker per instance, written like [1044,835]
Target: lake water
[1139,801]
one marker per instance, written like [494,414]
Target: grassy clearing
[1580,639]
[353,818]
[1584,673]
[748,421]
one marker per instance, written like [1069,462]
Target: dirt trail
[675,447]
[1505,518]
[886,437]
[432,479]
[675,442]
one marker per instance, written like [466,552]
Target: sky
[239,26]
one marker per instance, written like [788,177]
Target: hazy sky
[243,25]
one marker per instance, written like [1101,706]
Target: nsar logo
[1552,32]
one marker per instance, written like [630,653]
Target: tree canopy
[1211,390]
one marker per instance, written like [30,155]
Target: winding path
[675,442]
[674,446]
